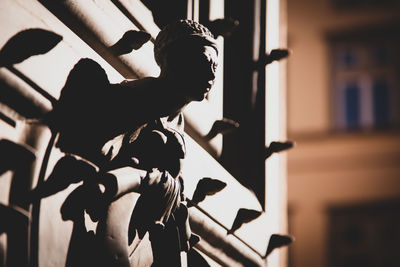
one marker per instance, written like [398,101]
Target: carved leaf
[276,147]
[277,241]
[223,126]
[223,27]
[243,216]
[274,55]
[207,187]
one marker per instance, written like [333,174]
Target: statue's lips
[207,86]
[203,88]
[206,90]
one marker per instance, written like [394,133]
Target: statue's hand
[159,148]
[160,195]
[152,180]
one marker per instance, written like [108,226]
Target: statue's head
[187,52]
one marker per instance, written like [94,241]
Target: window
[352,102]
[365,81]
[364,235]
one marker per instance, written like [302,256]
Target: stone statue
[138,125]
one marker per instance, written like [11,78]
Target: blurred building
[343,112]
[42,40]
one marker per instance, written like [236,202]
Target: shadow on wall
[86,82]
[81,130]
[96,124]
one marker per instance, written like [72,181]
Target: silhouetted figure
[91,111]
[139,124]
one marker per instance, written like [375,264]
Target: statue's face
[200,74]
[194,71]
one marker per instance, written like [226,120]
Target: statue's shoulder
[147,82]
[141,91]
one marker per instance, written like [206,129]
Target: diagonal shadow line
[31,83]
[118,4]
[7,119]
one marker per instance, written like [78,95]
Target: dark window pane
[352,100]
[381,103]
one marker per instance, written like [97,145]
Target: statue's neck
[171,98]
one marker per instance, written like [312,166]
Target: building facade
[42,41]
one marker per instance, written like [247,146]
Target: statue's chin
[200,97]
